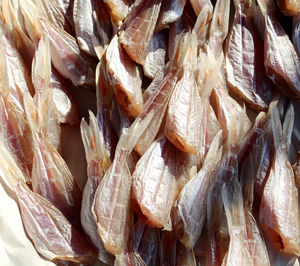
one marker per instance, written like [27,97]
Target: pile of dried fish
[188,156]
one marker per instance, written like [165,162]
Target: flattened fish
[125,78]
[279,208]
[244,60]
[118,9]
[138,29]
[155,173]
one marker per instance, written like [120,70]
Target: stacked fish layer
[189,154]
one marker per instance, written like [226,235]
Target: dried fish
[289,7]
[138,29]
[296,33]
[118,10]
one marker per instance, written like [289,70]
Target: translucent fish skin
[289,7]
[146,243]
[183,120]
[238,251]
[282,65]
[51,233]
[112,205]
[191,203]
[155,173]
[279,208]
[156,58]
[125,78]
[97,164]
[243,48]
[156,104]
[138,29]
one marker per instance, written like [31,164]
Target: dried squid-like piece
[279,208]
[192,201]
[97,163]
[281,61]
[52,234]
[244,60]
[125,78]
[139,28]
[155,173]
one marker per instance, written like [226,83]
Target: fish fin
[233,204]
[91,139]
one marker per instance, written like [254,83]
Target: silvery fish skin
[282,65]
[289,7]
[155,173]
[170,11]
[191,203]
[238,251]
[183,120]
[156,58]
[125,78]
[244,48]
[97,163]
[139,28]
[279,208]
[52,234]
[146,243]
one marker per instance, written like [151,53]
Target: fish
[157,56]
[279,207]
[191,204]
[198,5]
[98,161]
[296,33]
[238,251]
[138,29]
[118,10]
[282,65]
[289,7]
[248,81]
[125,78]
[155,173]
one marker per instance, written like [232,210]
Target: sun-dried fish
[170,11]
[118,10]
[155,173]
[138,29]
[125,78]
[238,251]
[156,58]
[296,33]
[281,60]
[52,234]
[244,60]
[191,203]
[97,163]
[279,208]
[198,5]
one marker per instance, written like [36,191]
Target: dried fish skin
[191,203]
[183,120]
[118,9]
[111,205]
[139,28]
[282,65]
[155,173]
[125,78]
[170,11]
[146,243]
[156,58]
[244,61]
[289,7]
[51,233]
[97,163]
[238,251]
[279,208]
[156,104]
